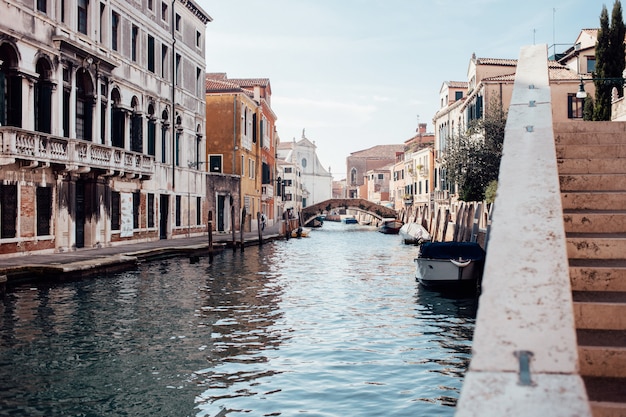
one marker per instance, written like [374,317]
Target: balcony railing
[35,147]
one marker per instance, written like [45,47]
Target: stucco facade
[102,123]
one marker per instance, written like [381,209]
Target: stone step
[589,221]
[588,127]
[589,138]
[595,245]
[592,182]
[602,353]
[606,396]
[598,274]
[593,200]
[606,151]
[599,310]
[595,165]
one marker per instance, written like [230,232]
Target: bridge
[359,204]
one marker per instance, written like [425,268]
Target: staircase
[592,173]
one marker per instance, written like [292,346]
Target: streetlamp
[581,93]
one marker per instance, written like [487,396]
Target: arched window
[84,105]
[10,88]
[136,127]
[118,120]
[164,126]
[151,130]
[353,176]
[43,97]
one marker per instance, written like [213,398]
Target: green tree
[610,60]
[472,159]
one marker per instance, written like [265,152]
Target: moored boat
[390,226]
[450,265]
[414,234]
[349,220]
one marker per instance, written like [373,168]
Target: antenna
[554,31]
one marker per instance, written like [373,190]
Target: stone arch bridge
[376,210]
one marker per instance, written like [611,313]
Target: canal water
[330,325]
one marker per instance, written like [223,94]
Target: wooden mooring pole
[210,227]
[232,225]
[243,219]
[258,225]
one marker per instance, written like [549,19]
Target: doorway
[164,205]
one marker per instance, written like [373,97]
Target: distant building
[360,162]
[316,180]
[102,123]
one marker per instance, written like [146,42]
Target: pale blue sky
[358,73]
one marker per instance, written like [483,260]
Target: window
[198,210]
[63,11]
[252,168]
[177,149]
[44,210]
[381,176]
[199,82]
[178,211]
[458,95]
[136,131]
[150,210]
[591,64]
[84,106]
[164,142]
[136,206]
[177,69]
[150,5]
[304,162]
[150,53]
[164,11]
[575,106]
[215,163]
[115,210]
[288,170]
[8,210]
[83,14]
[43,98]
[198,39]
[42,6]
[177,23]
[163,61]
[151,136]
[133,43]
[115,30]
[243,165]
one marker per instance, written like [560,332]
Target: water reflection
[332,325]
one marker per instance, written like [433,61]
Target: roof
[497,61]
[379,151]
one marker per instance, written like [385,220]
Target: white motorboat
[450,265]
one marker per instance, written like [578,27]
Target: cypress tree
[610,60]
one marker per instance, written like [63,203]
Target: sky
[353,74]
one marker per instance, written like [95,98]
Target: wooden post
[258,224]
[232,225]
[210,227]
[469,216]
[437,224]
[477,215]
[459,223]
[446,220]
[243,219]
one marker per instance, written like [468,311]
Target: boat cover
[452,250]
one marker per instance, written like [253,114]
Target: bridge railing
[524,353]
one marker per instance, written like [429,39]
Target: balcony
[41,150]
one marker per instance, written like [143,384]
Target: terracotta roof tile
[497,61]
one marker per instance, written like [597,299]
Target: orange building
[241,140]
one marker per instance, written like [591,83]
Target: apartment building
[241,141]
[101,122]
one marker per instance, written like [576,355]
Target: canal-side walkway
[87,261]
